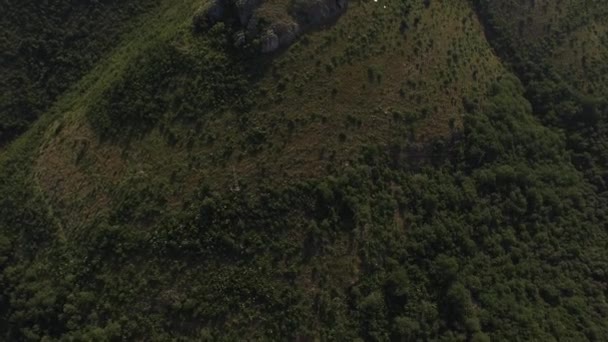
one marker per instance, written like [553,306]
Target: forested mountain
[304,170]
[47,46]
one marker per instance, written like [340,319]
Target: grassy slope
[362,82]
[72,131]
[238,261]
[81,179]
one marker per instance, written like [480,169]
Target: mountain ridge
[398,175]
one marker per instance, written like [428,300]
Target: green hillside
[568,36]
[400,170]
[47,46]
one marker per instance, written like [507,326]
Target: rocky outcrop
[317,12]
[287,32]
[245,9]
[269,41]
[239,39]
[270,25]
[209,14]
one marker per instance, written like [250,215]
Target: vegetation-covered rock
[273,24]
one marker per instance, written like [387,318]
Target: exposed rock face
[209,14]
[274,29]
[287,32]
[274,24]
[239,39]
[318,12]
[245,8]
[269,41]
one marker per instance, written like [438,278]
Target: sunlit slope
[184,108]
[381,179]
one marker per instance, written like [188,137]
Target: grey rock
[252,28]
[209,14]
[239,39]
[269,41]
[316,12]
[274,25]
[245,8]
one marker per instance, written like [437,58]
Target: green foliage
[502,237]
[502,241]
[47,47]
[166,84]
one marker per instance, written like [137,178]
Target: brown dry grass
[332,113]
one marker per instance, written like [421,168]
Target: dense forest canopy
[47,46]
[432,170]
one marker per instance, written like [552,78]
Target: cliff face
[269,25]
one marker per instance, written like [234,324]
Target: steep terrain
[296,117]
[376,170]
[568,36]
[47,46]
